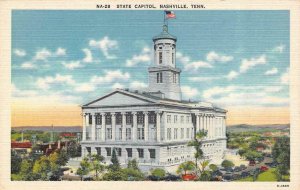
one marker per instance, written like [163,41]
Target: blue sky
[230,58]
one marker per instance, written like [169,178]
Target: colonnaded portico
[153,125]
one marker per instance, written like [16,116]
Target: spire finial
[165,28]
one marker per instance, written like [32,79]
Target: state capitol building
[155,125]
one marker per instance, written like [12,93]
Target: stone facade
[153,126]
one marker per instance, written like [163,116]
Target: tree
[115,165]
[252,155]
[133,164]
[26,170]
[41,168]
[197,144]
[118,175]
[63,157]
[227,164]
[73,149]
[281,156]
[97,165]
[84,168]
[159,173]
[213,167]
[133,174]
[186,166]
[16,161]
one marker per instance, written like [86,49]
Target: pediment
[118,98]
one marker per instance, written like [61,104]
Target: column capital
[134,112]
[123,113]
[158,112]
[113,113]
[146,112]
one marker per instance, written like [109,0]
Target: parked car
[243,167]
[237,169]
[172,177]
[227,177]
[229,170]
[264,168]
[236,176]
[252,163]
[245,174]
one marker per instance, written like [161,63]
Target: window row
[183,119]
[118,151]
[176,135]
[128,120]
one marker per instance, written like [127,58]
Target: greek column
[93,127]
[158,133]
[113,126]
[84,126]
[197,123]
[134,126]
[123,126]
[146,125]
[103,127]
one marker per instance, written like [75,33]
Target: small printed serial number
[103,6]
[283,185]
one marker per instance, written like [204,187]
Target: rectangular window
[108,119]
[169,133]
[140,134]
[128,133]
[90,119]
[187,133]
[108,151]
[160,57]
[140,118]
[182,119]
[152,153]
[141,152]
[118,119]
[157,77]
[182,133]
[129,152]
[152,118]
[120,133]
[118,151]
[168,118]
[128,119]
[175,118]
[108,133]
[98,149]
[175,133]
[172,58]
[161,78]
[98,119]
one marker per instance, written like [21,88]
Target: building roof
[21,145]
[164,35]
[157,98]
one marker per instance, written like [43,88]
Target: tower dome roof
[164,35]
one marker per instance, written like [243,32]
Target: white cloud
[143,57]
[28,65]
[105,44]
[20,52]
[279,48]
[88,55]
[117,85]
[232,75]
[193,66]
[138,85]
[245,95]
[46,82]
[182,58]
[72,64]
[272,71]
[85,87]
[110,76]
[60,52]
[202,79]
[189,92]
[213,57]
[44,54]
[247,64]
[16,92]
[285,77]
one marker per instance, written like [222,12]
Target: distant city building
[153,125]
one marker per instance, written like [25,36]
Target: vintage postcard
[143,95]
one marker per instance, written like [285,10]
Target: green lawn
[265,176]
